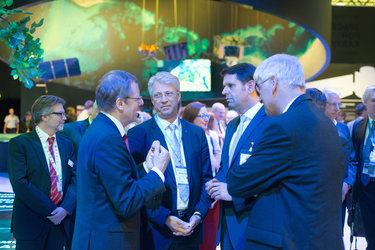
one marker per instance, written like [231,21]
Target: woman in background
[197,114]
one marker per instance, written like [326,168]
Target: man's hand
[218,190]
[193,222]
[161,156]
[150,156]
[345,190]
[57,215]
[177,226]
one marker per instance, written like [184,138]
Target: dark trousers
[367,206]
[52,238]
[11,130]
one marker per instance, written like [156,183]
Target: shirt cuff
[161,175]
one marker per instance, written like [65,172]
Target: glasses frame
[334,104]
[167,94]
[61,114]
[140,98]
[257,88]
[204,116]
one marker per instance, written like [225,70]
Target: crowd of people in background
[275,169]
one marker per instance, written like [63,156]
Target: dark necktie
[365,178]
[55,194]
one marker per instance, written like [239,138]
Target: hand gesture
[57,215]
[218,190]
[160,156]
[178,226]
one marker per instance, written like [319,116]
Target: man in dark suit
[332,109]
[109,190]
[242,135]
[175,222]
[364,140]
[295,171]
[74,131]
[42,173]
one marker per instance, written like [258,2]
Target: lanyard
[168,138]
[49,156]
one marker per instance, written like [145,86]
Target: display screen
[194,74]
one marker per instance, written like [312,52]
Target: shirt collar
[116,122]
[289,104]
[370,120]
[251,112]
[164,123]
[43,135]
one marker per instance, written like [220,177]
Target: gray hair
[115,84]
[366,96]
[163,78]
[286,68]
[216,106]
[43,106]
[327,92]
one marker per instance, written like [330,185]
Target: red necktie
[126,141]
[55,194]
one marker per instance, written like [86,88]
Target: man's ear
[120,103]
[275,86]
[251,86]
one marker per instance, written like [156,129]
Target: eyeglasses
[204,116]
[167,94]
[335,104]
[257,89]
[135,98]
[62,114]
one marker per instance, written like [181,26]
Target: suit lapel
[63,158]
[228,137]
[187,144]
[157,134]
[247,133]
[37,145]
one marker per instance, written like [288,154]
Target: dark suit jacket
[74,131]
[358,138]
[350,163]
[237,211]
[296,172]
[110,192]
[31,182]
[199,172]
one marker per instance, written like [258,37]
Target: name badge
[181,175]
[59,186]
[244,156]
[70,163]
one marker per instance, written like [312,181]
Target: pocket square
[70,163]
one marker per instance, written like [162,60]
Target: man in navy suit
[42,173]
[175,222]
[364,140]
[242,135]
[295,170]
[332,110]
[109,190]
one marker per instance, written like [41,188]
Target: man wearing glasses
[295,171]
[110,192]
[175,222]
[242,135]
[42,173]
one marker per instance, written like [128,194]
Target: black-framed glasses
[168,94]
[204,116]
[135,98]
[339,105]
[62,114]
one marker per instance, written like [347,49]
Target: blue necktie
[183,188]
[365,178]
